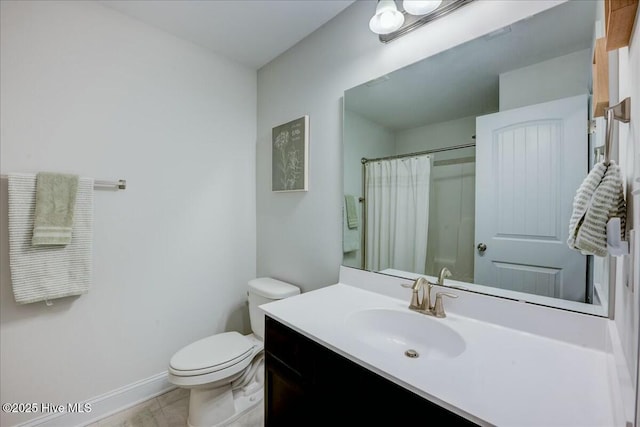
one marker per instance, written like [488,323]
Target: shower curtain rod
[364,160]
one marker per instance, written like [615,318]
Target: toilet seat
[218,357]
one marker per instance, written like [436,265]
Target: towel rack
[620,112]
[120,184]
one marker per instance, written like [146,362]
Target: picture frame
[290,156]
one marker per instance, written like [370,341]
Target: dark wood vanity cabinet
[307,384]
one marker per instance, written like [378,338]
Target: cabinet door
[287,401]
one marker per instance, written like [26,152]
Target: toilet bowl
[225,372]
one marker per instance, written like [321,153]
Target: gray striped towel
[43,273]
[599,198]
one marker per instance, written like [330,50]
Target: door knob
[481,248]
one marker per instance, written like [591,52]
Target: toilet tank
[261,291]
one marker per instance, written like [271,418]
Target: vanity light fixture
[391,23]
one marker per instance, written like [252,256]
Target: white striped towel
[43,273]
[599,198]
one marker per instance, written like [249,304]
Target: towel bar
[120,184]
[620,112]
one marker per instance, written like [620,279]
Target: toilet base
[221,406]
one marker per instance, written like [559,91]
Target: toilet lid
[212,353]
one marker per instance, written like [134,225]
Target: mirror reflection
[469,160]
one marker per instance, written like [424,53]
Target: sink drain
[411,353]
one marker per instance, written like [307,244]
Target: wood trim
[619,18]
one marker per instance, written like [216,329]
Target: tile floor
[170,410]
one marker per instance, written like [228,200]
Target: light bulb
[387,18]
[420,7]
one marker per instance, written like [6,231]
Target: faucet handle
[438,308]
[415,301]
[446,294]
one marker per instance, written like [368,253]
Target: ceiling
[251,32]
[463,81]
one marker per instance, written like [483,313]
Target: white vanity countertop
[505,377]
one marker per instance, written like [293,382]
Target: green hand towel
[352,213]
[55,202]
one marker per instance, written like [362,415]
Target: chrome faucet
[423,305]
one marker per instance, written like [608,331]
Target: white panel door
[529,163]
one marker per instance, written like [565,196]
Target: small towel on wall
[43,273]
[352,212]
[55,203]
[599,198]
[350,237]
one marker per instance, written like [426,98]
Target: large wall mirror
[469,160]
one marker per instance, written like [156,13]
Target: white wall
[299,234]
[365,139]
[557,78]
[438,135]
[627,309]
[87,90]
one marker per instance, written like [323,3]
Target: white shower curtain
[397,199]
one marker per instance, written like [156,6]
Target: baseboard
[107,404]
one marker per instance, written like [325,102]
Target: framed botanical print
[290,156]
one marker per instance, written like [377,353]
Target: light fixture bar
[413,22]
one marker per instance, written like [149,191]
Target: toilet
[225,372]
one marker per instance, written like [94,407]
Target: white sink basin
[405,333]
